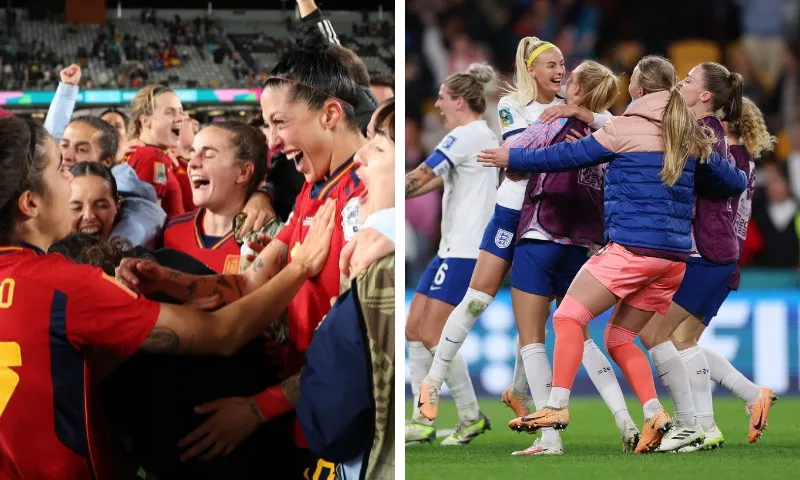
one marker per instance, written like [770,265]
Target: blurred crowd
[756,38]
[128,59]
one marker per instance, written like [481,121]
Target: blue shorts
[546,268]
[704,288]
[498,238]
[447,279]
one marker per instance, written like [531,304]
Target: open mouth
[199,182]
[557,81]
[297,157]
[176,130]
[90,229]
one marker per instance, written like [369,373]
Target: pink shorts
[646,283]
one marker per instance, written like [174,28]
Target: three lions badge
[503,238]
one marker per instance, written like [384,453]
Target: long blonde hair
[523,89]
[144,103]
[471,85]
[599,85]
[683,135]
[752,130]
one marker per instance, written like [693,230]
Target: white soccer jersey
[469,188]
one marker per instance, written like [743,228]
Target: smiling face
[218,179]
[299,133]
[548,71]
[163,127]
[93,206]
[80,143]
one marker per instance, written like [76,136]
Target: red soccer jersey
[185,233]
[51,312]
[313,300]
[154,166]
[182,174]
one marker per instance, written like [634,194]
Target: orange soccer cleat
[759,413]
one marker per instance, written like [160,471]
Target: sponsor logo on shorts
[503,238]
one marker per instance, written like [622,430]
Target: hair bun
[482,72]
[310,39]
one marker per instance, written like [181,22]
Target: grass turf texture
[593,448]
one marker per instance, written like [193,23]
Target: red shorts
[646,283]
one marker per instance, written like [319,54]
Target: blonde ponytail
[523,90]
[599,86]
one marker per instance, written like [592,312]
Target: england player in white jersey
[469,196]
[537,88]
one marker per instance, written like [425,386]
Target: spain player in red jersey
[54,312]
[307,104]
[156,120]
[227,164]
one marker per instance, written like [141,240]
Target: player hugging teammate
[678,148]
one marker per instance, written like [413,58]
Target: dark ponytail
[726,88]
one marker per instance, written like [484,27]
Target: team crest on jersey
[503,238]
[506,118]
[350,214]
[448,142]
[160,174]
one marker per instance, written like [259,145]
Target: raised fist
[71,75]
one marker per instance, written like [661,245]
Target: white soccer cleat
[714,439]
[540,447]
[630,437]
[678,437]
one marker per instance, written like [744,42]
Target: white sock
[455,331]
[700,383]
[460,385]
[559,397]
[419,362]
[540,379]
[726,375]
[605,381]
[519,385]
[538,372]
[651,408]
[672,372]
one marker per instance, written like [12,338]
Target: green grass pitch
[593,449]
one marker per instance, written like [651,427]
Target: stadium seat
[685,54]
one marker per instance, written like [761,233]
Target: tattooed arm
[421,181]
[149,278]
[184,330]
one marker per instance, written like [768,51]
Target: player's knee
[649,337]
[571,311]
[413,332]
[616,336]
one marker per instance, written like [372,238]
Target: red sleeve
[272,403]
[285,235]
[150,169]
[102,312]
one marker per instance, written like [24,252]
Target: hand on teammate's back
[317,244]
[71,75]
